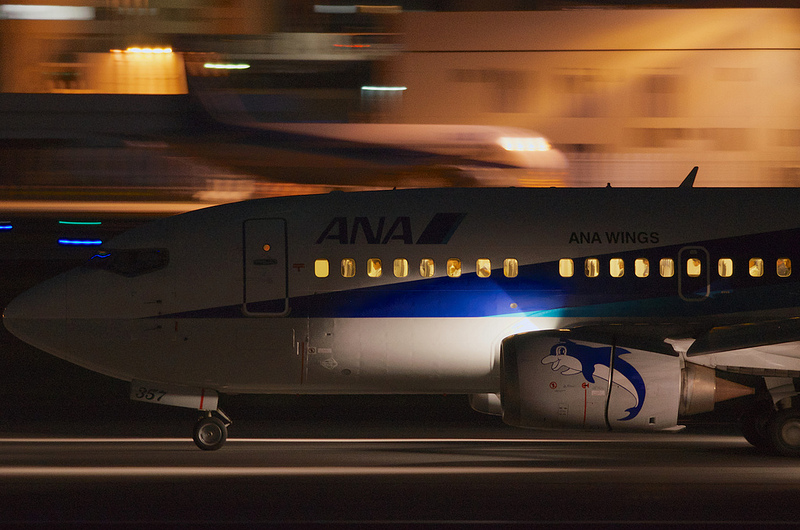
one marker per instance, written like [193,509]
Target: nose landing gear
[210,431]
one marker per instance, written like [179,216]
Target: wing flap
[744,336]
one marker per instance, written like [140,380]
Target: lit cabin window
[454,267]
[592,267]
[348,267]
[400,267]
[756,267]
[725,267]
[483,267]
[566,268]
[374,269]
[510,268]
[616,267]
[694,267]
[641,267]
[321,268]
[784,267]
[666,267]
[426,268]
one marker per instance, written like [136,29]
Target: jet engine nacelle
[551,379]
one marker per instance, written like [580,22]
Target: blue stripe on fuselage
[539,290]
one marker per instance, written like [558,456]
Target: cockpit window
[130,262]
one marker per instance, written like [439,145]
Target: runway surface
[556,479]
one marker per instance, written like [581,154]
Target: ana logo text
[385,230]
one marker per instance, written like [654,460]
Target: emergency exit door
[694,274]
[266,289]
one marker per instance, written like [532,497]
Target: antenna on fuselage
[688,182]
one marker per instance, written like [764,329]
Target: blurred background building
[94,91]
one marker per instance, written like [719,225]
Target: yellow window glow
[641,267]
[348,267]
[510,268]
[591,267]
[426,268]
[616,267]
[784,267]
[400,267]
[756,267]
[566,268]
[321,268]
[694,267]
[454,267]
[725,267]
[483,267]
[374,269]
[666,267]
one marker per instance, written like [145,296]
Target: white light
[42,12]
[385,88]
[524,144]
[224,66]
[136,49]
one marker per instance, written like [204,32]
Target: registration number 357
[149,394]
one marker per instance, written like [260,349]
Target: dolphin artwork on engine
[569,358]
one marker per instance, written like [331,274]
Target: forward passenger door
[265,257]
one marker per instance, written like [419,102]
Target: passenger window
[694,267]
[426,268]
[666,267]
[483,267]
[374,268]
[348,267]
[592,267]
[454,267]
[400,268]
[616,267]
[641,267]
[510,268]
[784,267]
[321,268]
[566,268]
[725,267]
[756,267]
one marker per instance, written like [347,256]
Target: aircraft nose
[38,316]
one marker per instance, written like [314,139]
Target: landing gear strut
[210,432]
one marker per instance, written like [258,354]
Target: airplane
[227,134]
[595,308]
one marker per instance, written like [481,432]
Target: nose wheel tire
[210,433]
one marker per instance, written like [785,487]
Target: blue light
[6,226]
[80,242]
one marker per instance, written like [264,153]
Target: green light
[83,223]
